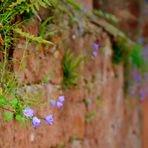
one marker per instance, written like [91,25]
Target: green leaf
[20,118]
[43,26]
[74,4]
[3,101]
[13,102]
[32,37]
[7,115]
[136,57]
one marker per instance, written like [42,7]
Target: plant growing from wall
[70,65]
[11,104]
[121,50]
[139,71]
[134,59]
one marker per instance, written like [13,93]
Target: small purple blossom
[28,112]
[137,77]
[140,39]
[49,119]
[94,53]
[36,121]
[61,98]
[59,104]
[135,74]
[95,45]
[53,102]
[142,94]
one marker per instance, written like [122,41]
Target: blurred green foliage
[70,65]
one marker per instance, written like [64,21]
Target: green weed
[70,65]
[90,115]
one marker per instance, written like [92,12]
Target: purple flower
[59,104]
[61,99]
[142,94]
[95,45]
[140,39]
[53,102]
[94,53]
[135,74]
[49,119]
[28,112]
[137,77]
[36,121]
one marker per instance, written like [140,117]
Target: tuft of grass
[43,26]
[70,64]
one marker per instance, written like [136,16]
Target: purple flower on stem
[28,112]
[94,53]
[36,121]
[59,104]
[95,45]
[53,102]
[61,99]
[49,119]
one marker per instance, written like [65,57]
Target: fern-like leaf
[32,37]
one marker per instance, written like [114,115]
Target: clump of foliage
[138,72]
[70,64]
[135,55]
[121,50]
[134,58]
[11,103]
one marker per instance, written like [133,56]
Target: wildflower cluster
[139,75]
[137,85]
[58,103]
[95,46]
[29,113]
